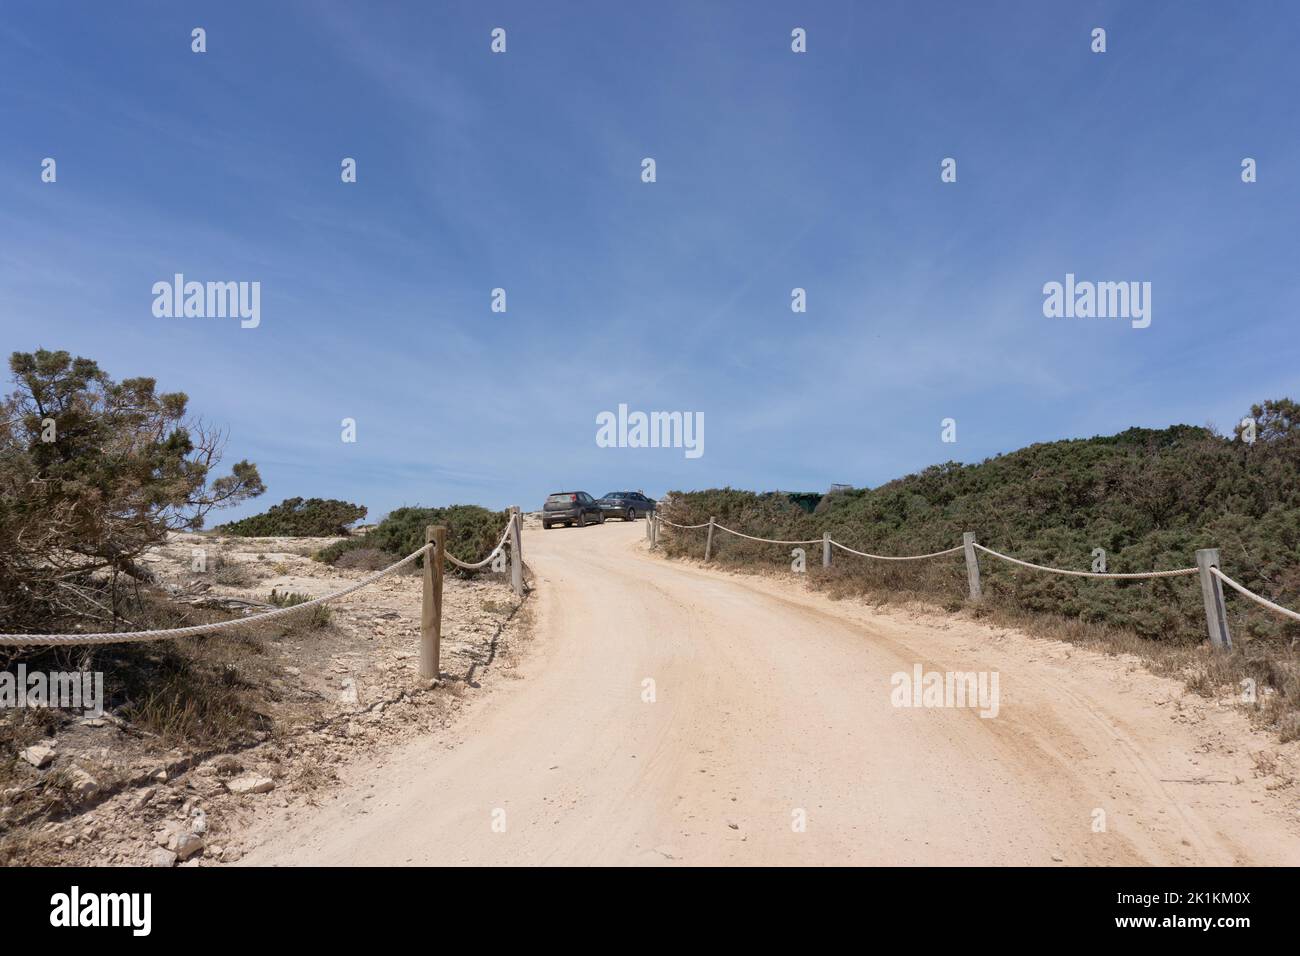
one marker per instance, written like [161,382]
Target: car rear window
[560,499]
[616,494]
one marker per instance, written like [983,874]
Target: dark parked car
[570,508]
[628,505]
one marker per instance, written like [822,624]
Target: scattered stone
[83,786]
[143,797]
[186,845]
[38,755]
[231,855]
[161,857]
[349,691]
[198,822]
[250,784]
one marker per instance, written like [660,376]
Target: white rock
[161,857]
[349,691]
[187,844]
[38,755]
[250,783]
[83,785]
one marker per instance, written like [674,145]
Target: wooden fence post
[826,549]
[972,565]
[1216,618]
[431,604]
[708,542]
[649,523]
[654,531]
[516,552]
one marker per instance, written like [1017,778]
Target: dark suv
[569,508]
[627,505]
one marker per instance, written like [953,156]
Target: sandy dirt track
[772,702]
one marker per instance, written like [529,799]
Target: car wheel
[582,519]
[601,519]
[631,514]
[546,525]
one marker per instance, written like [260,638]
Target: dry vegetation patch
[201,735]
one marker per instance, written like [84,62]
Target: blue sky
[775,170]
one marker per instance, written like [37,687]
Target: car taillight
[573,497]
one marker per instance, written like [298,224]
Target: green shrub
[1149,498]
[318,617]
[472,532]
[299,518]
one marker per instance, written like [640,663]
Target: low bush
[299,518]
[472,532]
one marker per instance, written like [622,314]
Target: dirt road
[768,736]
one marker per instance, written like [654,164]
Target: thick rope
[893,557]
[741,534]
[478,564]
[1089,574]
[1253,596]
[115,637]
[684,527]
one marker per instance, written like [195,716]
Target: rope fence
[431,605]
[505,536]
[1295,616]
[895,557]
[1207,568]
[1176,572]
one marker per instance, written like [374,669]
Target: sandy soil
[771,705]
[333,695]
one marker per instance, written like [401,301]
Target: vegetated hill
[1148,498]
[299,518]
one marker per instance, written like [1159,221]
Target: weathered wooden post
[972,565]
[826,549]
[708,542]
[654,533]
[649,523]
[516,552]
[1216,617]
[431,605]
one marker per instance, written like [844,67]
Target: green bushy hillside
[1148,498]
